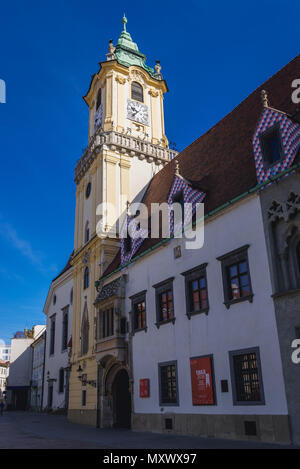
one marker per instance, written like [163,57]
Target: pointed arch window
[137,92]
[86,279]
[85,332]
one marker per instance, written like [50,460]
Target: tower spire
[124,22]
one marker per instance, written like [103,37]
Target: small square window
[272,146]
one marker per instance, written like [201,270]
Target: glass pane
[202,282]
[243,267]
[196,301]
[233,271]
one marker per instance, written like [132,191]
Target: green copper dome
[127,52]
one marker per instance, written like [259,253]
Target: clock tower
[127,146]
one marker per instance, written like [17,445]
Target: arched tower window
[98,103]
[137,92]
[85,332]
[87,232]
[86,280]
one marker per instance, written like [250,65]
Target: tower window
[137,92]
[88,190]
[272,146]
[98,104]
[86,280]
[87,232]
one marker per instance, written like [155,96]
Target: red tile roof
[222,160]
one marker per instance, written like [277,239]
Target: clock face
[137,112]
[98,118]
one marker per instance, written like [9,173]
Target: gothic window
[137,92]
[85,332]
[52,335]
[272,146]
[71,296]
[86,279]
[106,323]
[98,99]
[65,329]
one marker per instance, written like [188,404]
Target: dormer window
[98,104]
[137,92]
[178,198]
[272,146]
[127,244]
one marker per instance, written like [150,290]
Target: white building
[200,352]
[58,309]
[37,374]
[4,372]
[18,385]
[5,351]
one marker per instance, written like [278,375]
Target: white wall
[243,325]
[21,362]
[62,289]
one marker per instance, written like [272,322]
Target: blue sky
[213,54]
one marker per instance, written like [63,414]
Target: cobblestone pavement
[40,431]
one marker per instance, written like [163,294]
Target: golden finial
[264,98]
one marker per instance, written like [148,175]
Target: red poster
[144,387]
[202,381]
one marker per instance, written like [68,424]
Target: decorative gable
[190,196]
[290,140]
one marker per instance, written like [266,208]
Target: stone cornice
[121,142]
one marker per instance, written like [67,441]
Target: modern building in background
[58,311]
[5,351]
[4,372]
[37,373]
[20,372]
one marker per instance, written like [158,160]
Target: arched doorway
[121,400]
